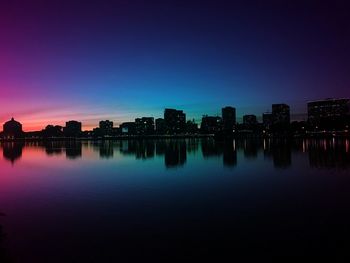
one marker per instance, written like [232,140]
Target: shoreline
[195,136]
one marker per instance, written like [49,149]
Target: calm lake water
[183,199]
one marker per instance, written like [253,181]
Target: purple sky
[93,60]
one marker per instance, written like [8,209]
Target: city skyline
[240,119]
[328,114]
[37,123]
[91,61]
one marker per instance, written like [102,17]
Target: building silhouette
[52,131]
[12,151]
[72,129]
[280,117]
[128,128]
[12,129]
[160,126]
[267,120]
[249,120]
[144,126]
[175,121]
[191,127]
[228,118]
[329,113]
[211,124]
[106,128]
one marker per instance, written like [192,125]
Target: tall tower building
[228,118]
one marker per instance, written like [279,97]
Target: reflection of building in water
[145,149]
[53,148]
[73,149]
[106,149]
[12,151]
[250,148]
[175,153]
[267,147]
[281,152]
[127,147]
[230,154]
[211,148]
[142,149]
[329,154]
[192,145]
[12,129]
[160,147]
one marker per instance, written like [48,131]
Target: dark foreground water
[164,200]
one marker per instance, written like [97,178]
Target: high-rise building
[12,129]
[72,129]
[329,113]
[106,128]
[211,124]
[144,125]
[175,121]
[280,116]
[228,118]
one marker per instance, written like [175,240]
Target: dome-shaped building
[12,129]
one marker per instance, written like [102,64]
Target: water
[174,199]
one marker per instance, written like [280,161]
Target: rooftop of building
[327,100]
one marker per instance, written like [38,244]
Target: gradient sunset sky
[117,60]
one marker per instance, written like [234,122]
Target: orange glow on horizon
[38,125]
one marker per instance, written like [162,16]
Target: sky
[118,60]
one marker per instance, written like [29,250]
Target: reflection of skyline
[73,149]
[281,151]
[230,154]
[106,150]
[12,151]
[53,148]
[320,153]
[175,154]
[329,154]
